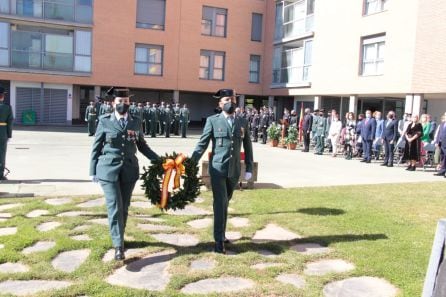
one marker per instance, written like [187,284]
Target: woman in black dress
[413,135]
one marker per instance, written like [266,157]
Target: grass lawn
[385,230]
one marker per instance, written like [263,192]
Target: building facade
[57,55]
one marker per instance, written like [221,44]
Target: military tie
[122,123]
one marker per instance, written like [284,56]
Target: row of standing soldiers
[259,121]
[156,120]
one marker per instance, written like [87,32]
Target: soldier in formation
[91,116]
[6,118]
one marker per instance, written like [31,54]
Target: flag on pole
[301,120]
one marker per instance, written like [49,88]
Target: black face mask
[229,107]
[122,108]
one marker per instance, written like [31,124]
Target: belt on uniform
[92,114]
[3,124]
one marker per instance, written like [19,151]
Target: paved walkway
[53,161]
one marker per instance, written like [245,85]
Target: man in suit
[368,130]
[6,119]
[255,123]
[184,120]
[176,119]
[389,136]
[114,164]
[161,115]
[377,143]
[440,141]
[168,120]
[91,115]
[307,124]
[228,133]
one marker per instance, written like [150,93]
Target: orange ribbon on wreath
[169,165]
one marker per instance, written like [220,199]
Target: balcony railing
[292,75]
[298,27]
[79,11]
[43,61]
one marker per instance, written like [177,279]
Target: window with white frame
[212,65]
[149,59]
[374,6]
[82,58]
[213,22]
[4,44]
[293,18]
[254,69]
[292,62]
[373,50]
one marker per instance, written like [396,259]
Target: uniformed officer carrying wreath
[6,119]
[227,132]
[114,163]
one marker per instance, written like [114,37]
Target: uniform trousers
[222,190]
[117,199]
[3,147]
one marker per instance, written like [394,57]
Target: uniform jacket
[368,129]
[226,146]
[321,126]
[91,113]
[390,130]
[114,149]
[184,115]
[6,119]
[264,120]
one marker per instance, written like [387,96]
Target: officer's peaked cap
[225,93]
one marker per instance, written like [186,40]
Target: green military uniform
[114,164]
[224,166]
[184,120]
[176,120]
[91,115]
[133,110]
[321,129]
[153,119]
[147,119]
[161,121]
[168,120]
[6,119]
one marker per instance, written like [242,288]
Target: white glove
[248,176]
[94,179]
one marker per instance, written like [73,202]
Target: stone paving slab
[71,260]
[309,249]
[149,218]
[58,201]
[199,200]
[40,246]
[218,285]
[25,288]
[141,204]
[267,254]
[48,226]
[262,266]
[13,268]
[239,222]
[3,220]
[130,253]
[200,223]
[2,246]
[293,279]
[82,237]
[92,203]
[103,222]
[152,227]
[360,287]
[4,207]
[150,273]
[37,213]
[324,267]
[5,215]
[177,239]
[233,235]
[75,213]
[202,265]
[8,231]
[82,228]
[272,232]
[190,210]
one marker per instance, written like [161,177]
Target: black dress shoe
[390,165]
[409,168]
[220,247]
[227,241]
[413,168]
[363,160]
[119,253]
[368,161]
[439,174]
[384,164]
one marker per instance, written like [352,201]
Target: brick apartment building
[57,55]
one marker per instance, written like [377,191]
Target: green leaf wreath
[178,199]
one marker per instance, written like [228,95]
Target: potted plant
[274,132]
[291,139]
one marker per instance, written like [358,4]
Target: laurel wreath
[178,199]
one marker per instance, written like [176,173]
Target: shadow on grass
[39,181]
[321,211]
[330,239]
